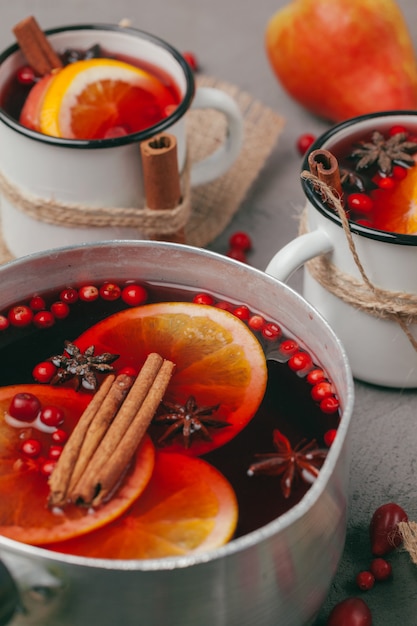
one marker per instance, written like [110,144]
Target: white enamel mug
[378,349]
[99,173]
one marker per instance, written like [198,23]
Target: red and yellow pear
[343,58]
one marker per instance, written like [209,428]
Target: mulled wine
[269,460]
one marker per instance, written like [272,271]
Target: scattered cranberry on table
[304,142]
[365,580]
[191,59]
[381,569]
[350,612]
[383,528]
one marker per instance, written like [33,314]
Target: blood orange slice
[395,210]
[187,507]
[24,489]
[218,360]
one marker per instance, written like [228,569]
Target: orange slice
[187,507]
[395,210]
[97,98]
[24,490]
[218,360]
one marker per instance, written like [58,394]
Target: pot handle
[301,249]
[223,157]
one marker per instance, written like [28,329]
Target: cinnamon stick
[161,177]
[35,46]
[99,481]
[325,166]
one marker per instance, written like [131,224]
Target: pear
[343,58]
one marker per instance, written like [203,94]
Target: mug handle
[221,159]
[293,255]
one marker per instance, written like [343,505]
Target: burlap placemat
[214,204]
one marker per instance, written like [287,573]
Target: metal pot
[279,574]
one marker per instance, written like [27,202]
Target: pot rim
[176,115]
[358,229]
[255,537]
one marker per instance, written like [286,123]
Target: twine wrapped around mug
[365,296]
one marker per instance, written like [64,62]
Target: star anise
[383,152]
[82,366]
[188,421]
[303,461]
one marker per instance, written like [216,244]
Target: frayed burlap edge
[214,204]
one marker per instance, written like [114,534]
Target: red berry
[128,371]
[237,254]
[329,436]
[203,298]
[59,436]
[226,306]
[396,129]
[300,361]
[110,291]
[316,376]
[60,310]
[256,322]
[52,415]
[399,172]
[329,405]
[288,347]
[69,295]
[47,467]
[37,303]
[383,528]
[381,569]
[271,331]
[360,202]
[44,319]
[24,407]
[4,322]
[241,241]
[365,580]
[55,452]
[134,295]
[242,312]
[191,60]
[88,293]
[20,315]
[44,371]
[25,75]
[350,612]
[31,448]
[321,390]
[304,142]
[384,182]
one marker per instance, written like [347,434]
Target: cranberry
[396,129]
[350,612]
[134,295]
[288,347]
[329,436]
[399,172]
[242,312]
[60,309]
[316,376]
[381,569]
[31,448]
[271,331]
[226,306]
[256,322]
[321,390]
[24,407]
[384,182]
[241,241]
[329,405]
[383,528]
[52,415]
[300,361]
[88,293]
[237,254]
[191,60]
[44,371]
[47,467]
[365,580]
[59,436]
[20,315]
[304,142]
[37,303]
[360,202]
[203,298]
[110,291]
[44,319]
[25,75]
[4,322]
[69,295]
[55,452]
